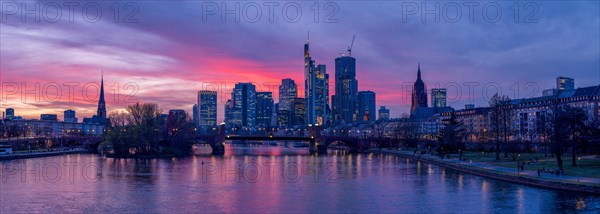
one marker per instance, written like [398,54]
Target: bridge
[92,141]
[318,143]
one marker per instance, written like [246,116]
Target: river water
[266,179]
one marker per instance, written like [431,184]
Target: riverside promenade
[527,177]
[36,154]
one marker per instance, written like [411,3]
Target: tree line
[141,131]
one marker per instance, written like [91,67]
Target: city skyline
[351,106]
[179,63]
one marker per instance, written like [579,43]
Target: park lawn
[587,167]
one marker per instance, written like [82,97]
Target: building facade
[39,128]
[367,106]
[264,109]
[299,112]
[345,100]
[438,97]
[288,90]
[565,83]
[384,113]
[49,117]
[195,115]
[316,90]
[244,105]
[207,108]
[69,116]
[10,113]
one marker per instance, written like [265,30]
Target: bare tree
[499,120]
[566,125]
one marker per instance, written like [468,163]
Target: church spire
[102,89]
[101,113]
[419,71]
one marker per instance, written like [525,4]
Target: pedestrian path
[514,171]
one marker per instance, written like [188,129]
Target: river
[266,179]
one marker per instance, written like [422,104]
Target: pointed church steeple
[419,93]
[101,89]
[419,71]
[101,113]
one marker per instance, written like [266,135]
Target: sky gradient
[174,49]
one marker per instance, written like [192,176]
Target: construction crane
[350,48]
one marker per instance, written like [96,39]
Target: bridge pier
[313,148]
[218,148]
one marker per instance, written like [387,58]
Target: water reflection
[274,179]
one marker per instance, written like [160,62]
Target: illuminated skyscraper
[316,93]
[438,97]
[264,108]
[207,108]
[244,104]
[299,112]
[288,90]
[346,89]
[229,117]
[366,106]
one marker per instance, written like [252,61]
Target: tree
[450,137]
[141,131]
[515,149]
[379,132]
[407,131]
[566,125]
[574,122]
[135,130]
[179,129]
[499,120]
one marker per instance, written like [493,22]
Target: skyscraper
[438,97]
[195,115]
[384,113]
[565,83]
[264,108]
[299,112]
[284,117]
[101,113]
[10,113]
[316,93]
[346,89]
[244,104]
[419,93]
[366,106]
[69,116]
[207,108]
[287,91]
[229,117]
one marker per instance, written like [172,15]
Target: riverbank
[561,182]
[41,154]
[154,156]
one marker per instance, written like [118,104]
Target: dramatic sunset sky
[171,52]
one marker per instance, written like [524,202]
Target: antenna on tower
[308,37]
[351,45]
